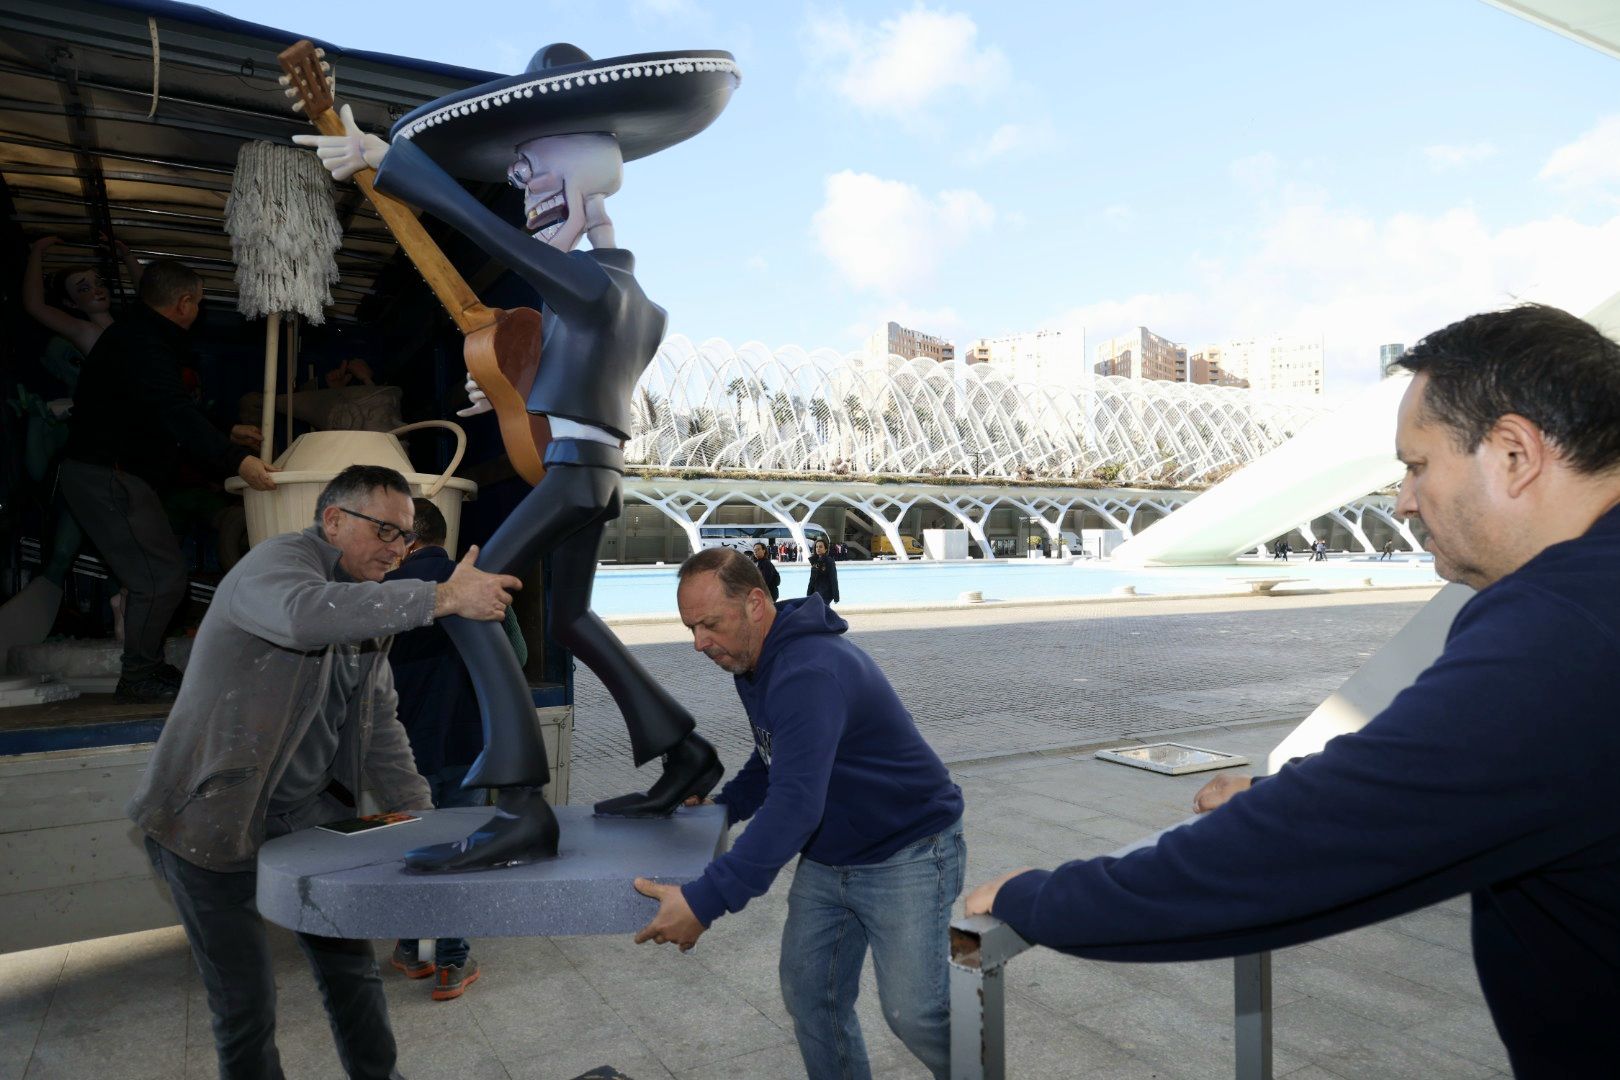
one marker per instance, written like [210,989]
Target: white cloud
[1357,281]
[1257,172]
[904,65]
[1012,138]
[888,236]
[1454,156]
[756,264]
[1119,215]
[1591,161]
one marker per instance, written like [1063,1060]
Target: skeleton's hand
[346,154]
[480,403]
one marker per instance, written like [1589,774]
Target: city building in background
[1140,354]
[1387,355]
[1205,368]
[892,339]
[1278,364]
[1039,357]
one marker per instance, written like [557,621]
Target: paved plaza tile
[999,693]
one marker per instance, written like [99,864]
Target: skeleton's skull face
[557,174]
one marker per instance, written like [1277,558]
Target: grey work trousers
[124,518]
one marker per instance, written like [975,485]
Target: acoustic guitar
[502,345]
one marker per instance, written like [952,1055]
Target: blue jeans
[446,789]
[901,909]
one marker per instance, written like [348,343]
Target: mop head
[284,232]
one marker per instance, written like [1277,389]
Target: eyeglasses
[387,531]
[520,172]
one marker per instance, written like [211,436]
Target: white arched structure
[1337,459]
[715,407]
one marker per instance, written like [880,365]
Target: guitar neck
[462,304]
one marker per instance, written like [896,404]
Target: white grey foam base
[323,883]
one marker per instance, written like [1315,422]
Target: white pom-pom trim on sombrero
[574,80]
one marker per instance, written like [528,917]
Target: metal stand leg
[980,948]
[1252,1033]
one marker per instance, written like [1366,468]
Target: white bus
[744,537]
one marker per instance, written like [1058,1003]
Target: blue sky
[1365,172]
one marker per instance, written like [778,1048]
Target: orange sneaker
[453,980]
[414,967]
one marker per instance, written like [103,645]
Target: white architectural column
[878,508]
[1039,508]
[677,502]
[1351,517]
[1399,525]
[790,509]
[961,507]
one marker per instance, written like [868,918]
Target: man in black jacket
[133,420]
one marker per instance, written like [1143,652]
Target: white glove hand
[346,154]
[480,403]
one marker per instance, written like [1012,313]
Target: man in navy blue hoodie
[1492,774]
[841,777]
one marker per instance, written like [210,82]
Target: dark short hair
[356,483]
[737,573]
[430,527]
[1559,372]
[166,280]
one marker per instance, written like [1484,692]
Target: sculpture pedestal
[319,882]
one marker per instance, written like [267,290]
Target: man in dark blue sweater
[1492,774]
[841,777]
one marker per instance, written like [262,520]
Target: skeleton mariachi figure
[560,133]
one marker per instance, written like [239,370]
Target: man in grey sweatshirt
[286,711]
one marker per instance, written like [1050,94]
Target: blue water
[641,590]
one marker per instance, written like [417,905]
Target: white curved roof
[715,406]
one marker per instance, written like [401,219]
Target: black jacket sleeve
[156,388]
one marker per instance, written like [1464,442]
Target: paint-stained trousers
[232,952]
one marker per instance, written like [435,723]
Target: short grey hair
[356,483]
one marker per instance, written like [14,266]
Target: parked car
[910,544]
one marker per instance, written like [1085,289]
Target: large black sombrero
[650,101]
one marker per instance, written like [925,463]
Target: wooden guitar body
[503,358]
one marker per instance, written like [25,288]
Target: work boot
[150,684]
[523,830]
[691,768]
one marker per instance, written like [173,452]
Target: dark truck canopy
[126,117]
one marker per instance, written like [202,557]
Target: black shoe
[523,830]
[154,685]
[691,768]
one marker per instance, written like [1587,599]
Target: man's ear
[1520,451]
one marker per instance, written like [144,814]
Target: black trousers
[125,520]
[232,952]
[561,520]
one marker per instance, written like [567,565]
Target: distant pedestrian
[823,575]
[1389,551]
[767,570]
